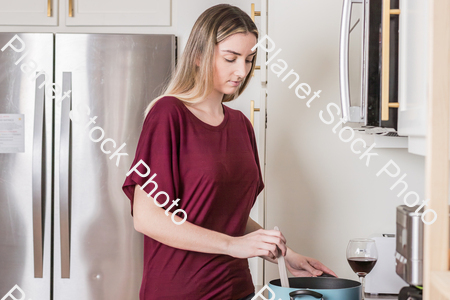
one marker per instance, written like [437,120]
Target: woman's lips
[234,83]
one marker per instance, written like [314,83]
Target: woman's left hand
[302,266]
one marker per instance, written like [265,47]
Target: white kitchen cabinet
[413,64]
[413,73]
[86,12]
[29,12]
[118,13]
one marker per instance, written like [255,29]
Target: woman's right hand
[257,243]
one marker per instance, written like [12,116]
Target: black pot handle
[294,294]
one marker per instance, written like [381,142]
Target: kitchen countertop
[371,296]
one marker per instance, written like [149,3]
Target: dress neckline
[204,124]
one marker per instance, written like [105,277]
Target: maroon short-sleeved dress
[215,172]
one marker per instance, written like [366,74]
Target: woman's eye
[248,61]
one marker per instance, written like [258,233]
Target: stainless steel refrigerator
[65,226]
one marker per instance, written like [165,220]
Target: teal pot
[314,288]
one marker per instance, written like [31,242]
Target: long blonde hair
[189,81]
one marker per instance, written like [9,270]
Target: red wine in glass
[362,256]
[362,265]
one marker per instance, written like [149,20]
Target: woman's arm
[152,221]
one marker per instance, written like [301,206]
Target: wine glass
[362,256]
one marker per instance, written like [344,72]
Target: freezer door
[109,79]
[25,164]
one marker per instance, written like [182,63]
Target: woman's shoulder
[166,110]
[167,104]
[166,107]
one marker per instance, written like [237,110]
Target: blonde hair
[190,81]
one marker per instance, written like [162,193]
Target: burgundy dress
[215,172]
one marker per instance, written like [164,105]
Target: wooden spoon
[282,267]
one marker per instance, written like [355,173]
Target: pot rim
[278,284]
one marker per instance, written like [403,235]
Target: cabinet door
[117,13]
[28,12]
[256,92]
[413,64]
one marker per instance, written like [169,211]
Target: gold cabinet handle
[385,104]
[254,13]
[49,8]
[252,111]
[256,68]
[70,8]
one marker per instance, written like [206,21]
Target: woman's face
[233,61]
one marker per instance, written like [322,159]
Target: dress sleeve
[157,153]
[251,134]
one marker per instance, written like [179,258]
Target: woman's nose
[241,69]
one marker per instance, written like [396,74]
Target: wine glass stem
[362,279]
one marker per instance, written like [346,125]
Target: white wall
[319,193]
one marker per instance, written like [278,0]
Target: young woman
[204,154]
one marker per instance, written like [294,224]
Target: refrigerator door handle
[64,177]
[37,174]
[349,113]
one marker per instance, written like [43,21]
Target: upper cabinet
[413,64]
[118,13]
[29,12]
[86,12]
